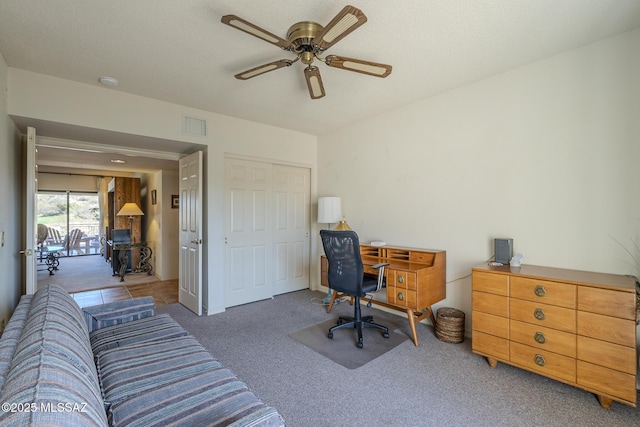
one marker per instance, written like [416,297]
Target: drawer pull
[540,291]
[400,296]
[539,337]
[400,279]
[539,314]
[539,360]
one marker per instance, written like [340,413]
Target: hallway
[89,279]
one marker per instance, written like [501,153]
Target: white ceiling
[180,52]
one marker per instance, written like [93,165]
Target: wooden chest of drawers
[573,326]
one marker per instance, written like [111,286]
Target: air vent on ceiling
[194,126]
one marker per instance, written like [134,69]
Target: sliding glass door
[72,220]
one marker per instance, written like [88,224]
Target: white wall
[161,222]
[12,284]
[42,97]
[546,154]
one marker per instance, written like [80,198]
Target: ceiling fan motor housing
[301,35]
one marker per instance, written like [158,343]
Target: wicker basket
[450,325]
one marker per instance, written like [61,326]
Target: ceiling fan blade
[261,69]
[358,65]
[347,20]
[314,82]
[254,30]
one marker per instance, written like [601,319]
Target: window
[75,217]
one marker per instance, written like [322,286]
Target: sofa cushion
[53,364]
[117,312]
[55,322]
[11,335]
[209,398]
[138,368]
[57,393]
[176,382]
[153,328]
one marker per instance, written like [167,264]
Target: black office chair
[346,275]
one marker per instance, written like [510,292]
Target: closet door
[248,237]
[267,227]
[291,190]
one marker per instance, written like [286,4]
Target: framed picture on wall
[175,201]
[154,197]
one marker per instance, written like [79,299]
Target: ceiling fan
[308,40]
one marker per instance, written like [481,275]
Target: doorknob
[27,252]
[197,241]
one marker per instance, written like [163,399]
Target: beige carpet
[84,273]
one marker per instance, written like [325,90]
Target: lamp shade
[130,209]
[329,210]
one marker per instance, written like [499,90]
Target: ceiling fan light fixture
[314,82]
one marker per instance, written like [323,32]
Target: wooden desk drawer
[607,380]
[544,362]
[550,316]
[401,279]
[608,302]
[491,283]
[606,328]
[490,345]
[490,303]
[402,297]
[543,338]
[494,325]
[607,354]
[553,293]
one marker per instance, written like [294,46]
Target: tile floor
[163,293]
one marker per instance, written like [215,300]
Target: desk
[415,278]
[122,250]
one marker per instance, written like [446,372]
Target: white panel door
[291,192]
[190,218]
[248,232]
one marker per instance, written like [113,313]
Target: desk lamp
[131,210]
[329,212]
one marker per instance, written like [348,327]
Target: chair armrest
[380,267]
[115,313]
[382,264]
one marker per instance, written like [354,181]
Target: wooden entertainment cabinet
[415,280]
[577,327]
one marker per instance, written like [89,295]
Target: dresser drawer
[490,345]
[402,297]
[490,303]
[553,293]
[607,328]
[491,283]
[607,380]
[604,353]
[549,316]
[543,362]
[608,302]
[543,338]
[401,279]
[494,325]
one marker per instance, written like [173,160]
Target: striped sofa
[116,364]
